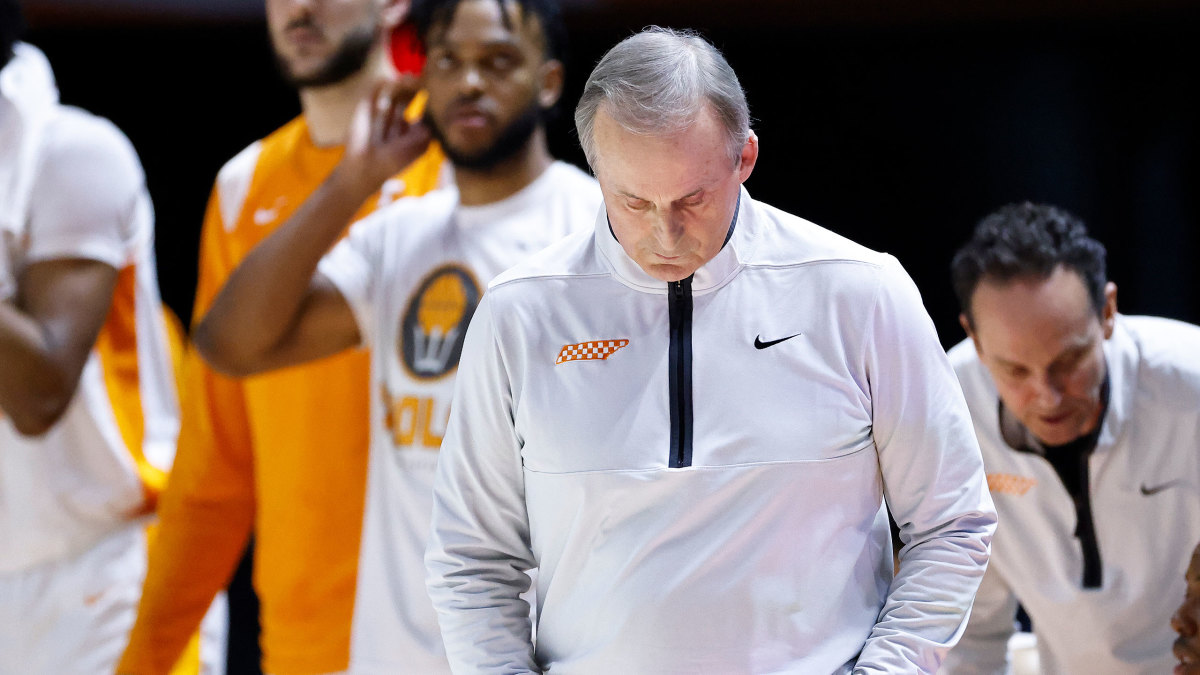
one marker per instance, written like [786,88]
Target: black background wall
[897,133]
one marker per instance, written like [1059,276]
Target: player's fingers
[381,112]
[406,86]
[394,123]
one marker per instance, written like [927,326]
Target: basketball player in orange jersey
[407,279]
[284,455]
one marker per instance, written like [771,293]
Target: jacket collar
[1122,356]
[712,275]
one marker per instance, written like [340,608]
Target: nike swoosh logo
[759,344]
[1148,491]
[265,216]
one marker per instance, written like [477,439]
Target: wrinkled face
[488,84]
[322,42]
[1042,341]
[1186,622]
[670,199]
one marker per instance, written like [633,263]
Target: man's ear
[749,157]
[966,324]
[551,76]
[1108,317]
[393,14]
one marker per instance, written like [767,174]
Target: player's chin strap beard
[511,140]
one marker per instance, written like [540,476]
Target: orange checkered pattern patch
[1008,483]
[596,350]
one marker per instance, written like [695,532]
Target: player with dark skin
[485,74]
[51,317]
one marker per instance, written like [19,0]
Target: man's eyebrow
[1070,351]
[1006,363]
[630,195]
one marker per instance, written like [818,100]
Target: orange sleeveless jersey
[283,454]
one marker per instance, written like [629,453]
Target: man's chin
[1055,434]
[667,273]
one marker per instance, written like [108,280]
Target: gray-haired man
[689,420]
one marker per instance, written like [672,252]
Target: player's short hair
[426,15]
[11,28]
[657,82]
[1028,241]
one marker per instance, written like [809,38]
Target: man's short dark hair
[426,14]
[11,28]
[1028,241]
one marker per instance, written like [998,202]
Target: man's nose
[1049,390]
[669,229]
[471,80]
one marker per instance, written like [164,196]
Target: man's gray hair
[656,83]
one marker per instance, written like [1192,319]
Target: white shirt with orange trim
[97,469]
[1144,485]
[699,476]
[413,274]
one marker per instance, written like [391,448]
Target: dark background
[896,124]
[898,127]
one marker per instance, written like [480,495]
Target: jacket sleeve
[207,510]
[933,481]
[480,550]
[983,649]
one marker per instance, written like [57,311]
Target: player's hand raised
[382,141]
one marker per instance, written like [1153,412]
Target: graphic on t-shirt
[435,323]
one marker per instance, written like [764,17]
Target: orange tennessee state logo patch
[1010,484]
[596,350]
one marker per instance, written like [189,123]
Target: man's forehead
[1062,293]
[1030,317]
[667,166]
[499,21]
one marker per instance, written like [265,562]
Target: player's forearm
[34,387]
[264,297]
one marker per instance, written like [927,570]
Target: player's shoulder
[572,177]
[1167,353]
[409,217]
[260,157]
[572,256]
[240,169]
[75,137]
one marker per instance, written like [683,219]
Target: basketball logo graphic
[435,323]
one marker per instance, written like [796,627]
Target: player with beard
[284,455]
[407,279]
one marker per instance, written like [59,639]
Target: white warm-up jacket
[698,470]
[1143,499]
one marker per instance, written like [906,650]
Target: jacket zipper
[1085,528]
[679,307]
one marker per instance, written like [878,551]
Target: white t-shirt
[84,197]
[413,274]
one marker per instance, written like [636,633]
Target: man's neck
[480,187]
[329,109]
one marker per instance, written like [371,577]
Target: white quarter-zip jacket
[698,470]
[1144,494]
